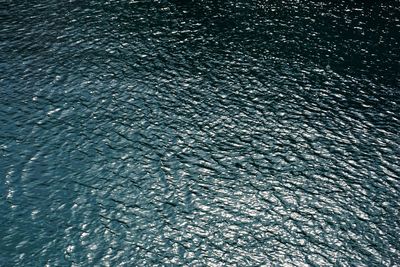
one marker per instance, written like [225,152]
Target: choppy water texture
[203,133]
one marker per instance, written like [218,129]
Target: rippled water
[199,133]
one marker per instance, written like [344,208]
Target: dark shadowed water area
[199,133]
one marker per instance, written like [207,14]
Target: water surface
[199,133]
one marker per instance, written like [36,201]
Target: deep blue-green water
[199,133]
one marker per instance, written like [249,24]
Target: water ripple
[183,133]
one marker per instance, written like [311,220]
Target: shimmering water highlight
[199,133]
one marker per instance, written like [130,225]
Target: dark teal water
[199,133]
